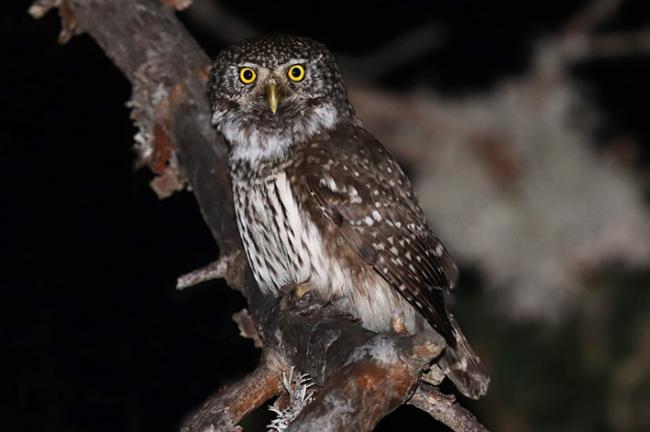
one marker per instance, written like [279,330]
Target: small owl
[321,205]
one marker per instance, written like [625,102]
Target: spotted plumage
[320,203]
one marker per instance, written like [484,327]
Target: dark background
[94,336]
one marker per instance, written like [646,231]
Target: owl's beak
[273,96]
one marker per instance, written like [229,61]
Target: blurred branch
[576,41]
[630,378]
[591,16]
[619,45]
[213,18]
[515,168]
[364,376]
[394,54]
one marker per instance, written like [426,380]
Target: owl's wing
[363,191]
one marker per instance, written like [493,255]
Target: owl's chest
[282,243]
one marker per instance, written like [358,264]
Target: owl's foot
[398,325]
[302,289]
[301,298]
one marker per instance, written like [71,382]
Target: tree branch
[363,392]
[222,411]
[227,267]
[445,409]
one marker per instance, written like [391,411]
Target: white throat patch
[253,145]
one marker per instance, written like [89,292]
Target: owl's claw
[301,298]
[398,325]
[302,289]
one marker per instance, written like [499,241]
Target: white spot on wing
[329,182]
[353,193]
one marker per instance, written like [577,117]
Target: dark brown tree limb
[368,375]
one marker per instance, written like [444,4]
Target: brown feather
[365,194]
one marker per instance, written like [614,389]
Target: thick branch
[380,379]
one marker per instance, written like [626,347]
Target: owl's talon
[302,289]
[302,299]
[398,325]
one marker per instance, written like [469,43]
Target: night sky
[94,336]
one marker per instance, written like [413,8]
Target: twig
[572,44]
[445,409]
[216,20]
[247,328]
[68,23]
[592,15]
[221,268]
[395,53]
[41,7]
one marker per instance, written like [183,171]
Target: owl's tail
[463,366]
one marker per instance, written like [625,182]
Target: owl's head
[272,92]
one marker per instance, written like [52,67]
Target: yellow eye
[296,73]
[247,75]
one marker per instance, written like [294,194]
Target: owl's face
[273,92]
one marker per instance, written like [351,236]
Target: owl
[322,206]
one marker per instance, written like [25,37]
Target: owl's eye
[247,75]
[296,73]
